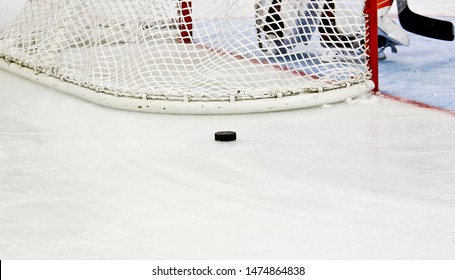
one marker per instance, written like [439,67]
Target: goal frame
[279,103]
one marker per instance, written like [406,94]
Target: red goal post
[371,9]
[199,56]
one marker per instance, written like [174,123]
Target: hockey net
[196,57]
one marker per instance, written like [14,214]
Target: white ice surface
[372,179]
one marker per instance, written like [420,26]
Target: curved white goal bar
[142,104]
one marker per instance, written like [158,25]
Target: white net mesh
[200,51]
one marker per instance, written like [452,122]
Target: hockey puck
[225,136]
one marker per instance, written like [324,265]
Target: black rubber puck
[225,136]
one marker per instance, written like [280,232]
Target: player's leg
[270,26]
[390,33]
[283,24]
[391,29]
[331,29]
[307,21]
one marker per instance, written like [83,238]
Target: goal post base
[143,104]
